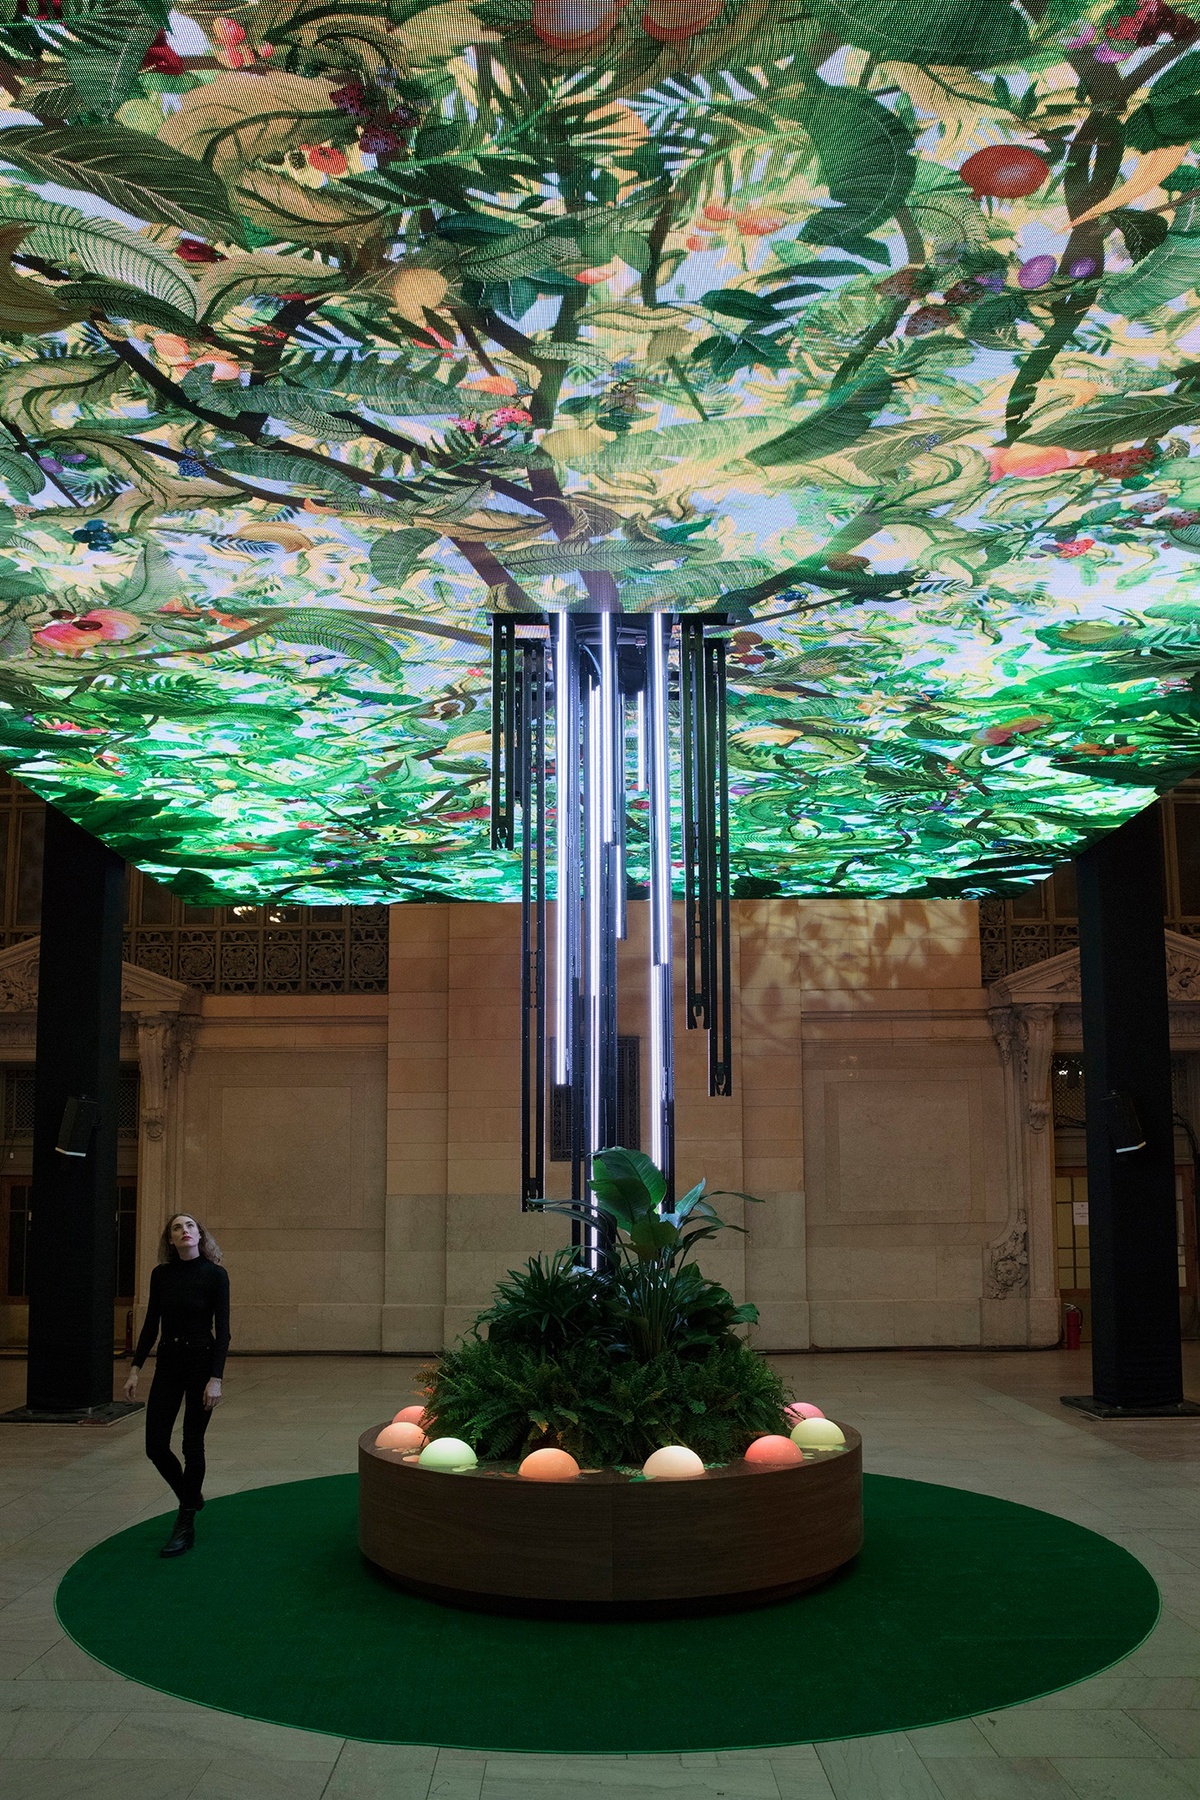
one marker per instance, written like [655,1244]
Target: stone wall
[867,1113]
[282,1117]
[358,1155]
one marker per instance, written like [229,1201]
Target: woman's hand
[212,1394]
[131,1385]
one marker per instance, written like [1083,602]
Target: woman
[189,1300]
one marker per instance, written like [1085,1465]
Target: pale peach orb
[674,1462]
[549,1465]
[402,1436]
[774,1449]
[802,1409]
[411,1415]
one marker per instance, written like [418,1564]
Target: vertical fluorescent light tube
[596,909]
[566,765]
[620,909]
[608,732]
[640,778]
[658,746]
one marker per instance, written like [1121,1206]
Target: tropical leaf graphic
[873,333]
[140,175]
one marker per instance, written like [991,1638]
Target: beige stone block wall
[283,1158]
[906,1150]
[454,1219]
[359,1157]
[867,1115]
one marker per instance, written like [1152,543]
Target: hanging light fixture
[601,671]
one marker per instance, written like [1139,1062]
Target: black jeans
[181,1373]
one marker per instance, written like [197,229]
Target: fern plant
[607,1410]
[613,1362]
[551,1303]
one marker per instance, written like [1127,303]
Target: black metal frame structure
[633,698]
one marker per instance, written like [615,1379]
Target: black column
[1136,1359]
[72,1238]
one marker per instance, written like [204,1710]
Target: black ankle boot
[183,1536]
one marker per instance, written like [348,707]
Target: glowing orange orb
[411,1415]
[402,1436]
[549,1465]
[774,1450]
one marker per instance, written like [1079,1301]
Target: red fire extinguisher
[1072,1326]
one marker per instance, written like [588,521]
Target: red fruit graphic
[1005,171]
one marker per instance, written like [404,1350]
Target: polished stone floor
[70,1728]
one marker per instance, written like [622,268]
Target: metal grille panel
[19,1103]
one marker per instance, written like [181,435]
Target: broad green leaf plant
[328,331]
[655,1298]
[612,1362]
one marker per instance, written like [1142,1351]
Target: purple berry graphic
[1036,272]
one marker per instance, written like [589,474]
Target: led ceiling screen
[327,330]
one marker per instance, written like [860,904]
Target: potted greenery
[612,1363]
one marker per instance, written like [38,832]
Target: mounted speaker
[1124,1127]
[80,1118]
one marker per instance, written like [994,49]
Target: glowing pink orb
[802,1409]
[774,1450]
[403,1435]
[549,1465]
[411,1415]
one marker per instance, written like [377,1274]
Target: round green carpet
[958,1604]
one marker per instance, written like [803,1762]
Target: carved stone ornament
[156,1058]
[19,986]
[1183,970]
[1024,1036]
[1038,1025]
[1007,1033]
[1007,1271]
[141,990]
[163,1013]
[1055,982]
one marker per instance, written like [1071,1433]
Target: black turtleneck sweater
[188,1300]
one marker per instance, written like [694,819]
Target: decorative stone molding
[1056,981]
[1024,1036]
[142,991]
[1030,1012]
[1006,1031]
[1037,1024]
[156,1057]
[18,981]
[159,1020]
[1006,1257]
[1183,968]
[1007,1270]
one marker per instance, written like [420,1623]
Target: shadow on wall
[888,944]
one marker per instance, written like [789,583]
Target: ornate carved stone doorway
[158,1024]
[1035,1016]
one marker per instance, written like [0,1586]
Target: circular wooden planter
[605,1544]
